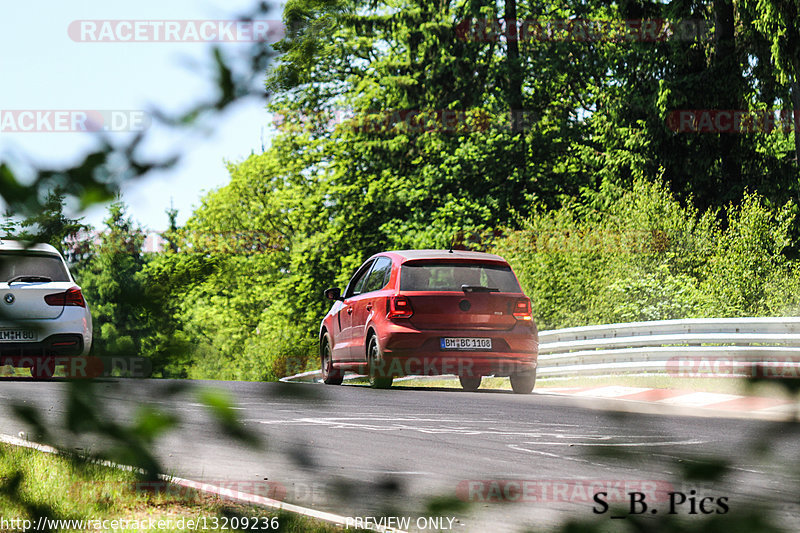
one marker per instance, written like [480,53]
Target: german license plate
[465,343]
[17,335]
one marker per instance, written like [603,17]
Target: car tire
[330,376]
[44,369]
[375,359]
[523,383]
[470,383]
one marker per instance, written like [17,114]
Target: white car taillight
[72,297]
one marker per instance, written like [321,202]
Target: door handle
[369,307]
[349,310]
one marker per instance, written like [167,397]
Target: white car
[44,319]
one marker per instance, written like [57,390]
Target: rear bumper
[409,351]
[74,322]
[461,365]
[61,344]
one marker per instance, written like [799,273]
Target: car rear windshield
[13,264]
[443,276]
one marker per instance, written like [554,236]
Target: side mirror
[334,294]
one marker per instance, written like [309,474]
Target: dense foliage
[559,154]
[647,257]
[418,124]
[402,125]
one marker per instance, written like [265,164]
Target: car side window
[356,284]
[387,276]
[379,275]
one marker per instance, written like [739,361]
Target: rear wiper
[478,288]
[28,278]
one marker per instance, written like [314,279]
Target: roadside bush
[555,267]
[630,259]
[639,254]
[280,348]
[273,349]
[749,274]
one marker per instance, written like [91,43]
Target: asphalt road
[360,452]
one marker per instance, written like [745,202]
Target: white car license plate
[464,343]
[17,335]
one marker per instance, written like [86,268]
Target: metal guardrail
[711,347]
[690,347]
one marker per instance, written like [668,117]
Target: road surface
[363,453]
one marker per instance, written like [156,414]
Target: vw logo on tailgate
[9,298]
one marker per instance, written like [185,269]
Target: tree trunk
[514,96]
[796,109]
[728,74]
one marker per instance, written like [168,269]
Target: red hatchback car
[431,312]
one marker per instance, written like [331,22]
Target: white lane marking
[649,443]
[596,437]
[554,426]
[273,504]
[44,448]
[538,452]
[698,399]
[556,456]
[344,423]
[562,439]
[730,467]
[379,471]
[373,419]
[780,409]
[204,405]
[610,392]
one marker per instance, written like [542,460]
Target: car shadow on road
[58,379]
[435,389]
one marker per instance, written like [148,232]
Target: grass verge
[34,484]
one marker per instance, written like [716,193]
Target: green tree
[52,226]
[113,285]
[779,22]
[172,235]
[259,247]
[8,226]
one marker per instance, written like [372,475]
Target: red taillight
[399,307]
[71,297]
[522,309]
